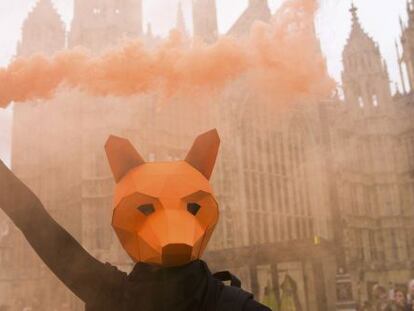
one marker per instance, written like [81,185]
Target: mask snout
[176,254]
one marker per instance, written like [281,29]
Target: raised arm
[69,261]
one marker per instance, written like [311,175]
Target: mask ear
[122,156]
[203,153]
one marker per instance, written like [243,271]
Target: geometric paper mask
[164,212]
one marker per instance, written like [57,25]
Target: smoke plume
[282,59]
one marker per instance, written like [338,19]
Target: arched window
[300,205]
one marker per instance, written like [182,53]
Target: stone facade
[372,136]
[296,189]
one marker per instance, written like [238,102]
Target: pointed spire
[400,60]
[363,60]
[44,7]
[45,21]
[180,23]
[355,18]
[205,23]
[45,3]
[410,13]
[257,10]
[258,3]
[358,34]
[42,11]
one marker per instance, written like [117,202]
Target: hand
[14,194]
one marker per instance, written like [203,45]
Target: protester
[410,295]
[380,298]
[399,301]
[269,298]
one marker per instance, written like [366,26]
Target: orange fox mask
[164,213]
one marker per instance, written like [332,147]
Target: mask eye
[146,209]
[193,208]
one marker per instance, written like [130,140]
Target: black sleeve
[68,260]
[252,305]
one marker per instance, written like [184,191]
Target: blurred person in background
[399,302]
[269,298]
[379,298]
[410,295]
[391,289]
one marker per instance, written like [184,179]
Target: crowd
[393,299]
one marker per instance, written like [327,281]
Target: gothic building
[293,189]
[372,140]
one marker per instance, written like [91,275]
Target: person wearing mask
[164,214]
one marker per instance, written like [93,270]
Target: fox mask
[164,213]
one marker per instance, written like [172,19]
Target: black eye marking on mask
[146,209]
[193,208]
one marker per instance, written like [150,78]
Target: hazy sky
[378,17]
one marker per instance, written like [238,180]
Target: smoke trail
[281,59]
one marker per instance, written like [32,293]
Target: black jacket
[191,287]
[104,288]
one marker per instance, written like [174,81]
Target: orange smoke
[282,59]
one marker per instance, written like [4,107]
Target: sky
[379,18]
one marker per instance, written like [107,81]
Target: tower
[100,23]
[42,31]
[368,167]
[407,41]
[205,20]
[257,10]
[180,22]
[365,76]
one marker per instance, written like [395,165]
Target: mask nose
[176,254]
